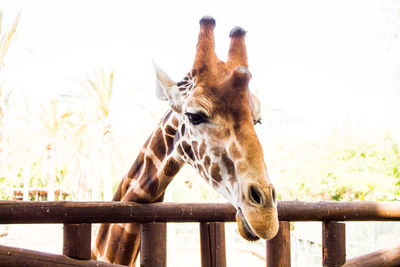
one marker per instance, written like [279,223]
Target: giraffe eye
[257,121]
[196,118]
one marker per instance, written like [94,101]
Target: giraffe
[210,125]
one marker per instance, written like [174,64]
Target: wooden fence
[78,216]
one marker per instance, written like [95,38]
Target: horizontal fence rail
[16,212]
[385,257]
[78,216]
[17,257]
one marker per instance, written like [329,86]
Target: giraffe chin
[244,228]
[265,228]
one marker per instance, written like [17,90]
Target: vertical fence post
[278,248]
[333,244]
[212,244]
[153,245]
[77,240]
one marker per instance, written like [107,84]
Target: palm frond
[100,87]
[52,117]
[6,38]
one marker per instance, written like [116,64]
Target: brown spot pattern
[183,128]
[170,143]
[180,151]
[126,247]
[215,173]
[175,121]
[136,167]
[115,242]
[102,236]
[230,166]
[158,145]
[182,83]
[207,162]
[188,150]
[202,149]
[171,167]
[149,182]
[169,130]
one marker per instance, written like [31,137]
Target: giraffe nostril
[256,196]
[273,194]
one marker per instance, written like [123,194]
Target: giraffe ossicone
[211,127]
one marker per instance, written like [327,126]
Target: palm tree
[6,39]
[100,88]
[81,151]
[52,119]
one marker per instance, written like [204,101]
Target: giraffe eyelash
[196,118]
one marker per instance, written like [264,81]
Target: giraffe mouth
[244,228]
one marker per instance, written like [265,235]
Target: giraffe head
[216,114]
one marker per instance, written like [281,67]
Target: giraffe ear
[163,83]
[255,108]
[166,89]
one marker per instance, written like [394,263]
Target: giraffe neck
[146,181]
[156,165]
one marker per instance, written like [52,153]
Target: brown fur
[229,164]
[202,150]
[221,89]
[234,152]
[215,172]
[122,246]
[150,184]
[207,162]
[158,146]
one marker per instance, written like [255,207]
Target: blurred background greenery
[73,117]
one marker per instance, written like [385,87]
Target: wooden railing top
[10,257]
[123,212]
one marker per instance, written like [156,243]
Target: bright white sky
[318,61]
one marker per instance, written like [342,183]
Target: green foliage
[4,193]
[357,170]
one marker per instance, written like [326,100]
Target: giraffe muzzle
[257,215]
